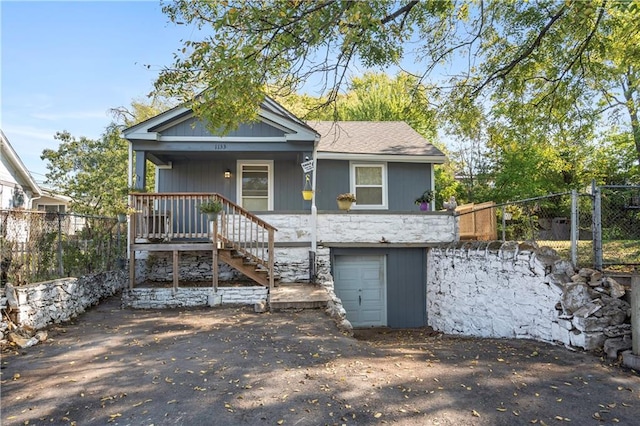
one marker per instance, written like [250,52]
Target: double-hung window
[255,184]
[369,184]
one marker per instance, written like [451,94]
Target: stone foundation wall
[40,304]
[357,227]
[155,298]
[291,265]
[395,228]
[194,266]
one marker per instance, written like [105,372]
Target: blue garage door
[360,282]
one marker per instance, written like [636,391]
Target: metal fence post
[575,217]
[597,227]
[504,222]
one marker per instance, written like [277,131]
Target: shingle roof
[372,137]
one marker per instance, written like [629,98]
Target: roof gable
[273,121]
[22,175]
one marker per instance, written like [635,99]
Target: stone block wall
[194,266]
[156,298]
[291,265]
[394,228]
[494,290]
[521,291]
[40,304]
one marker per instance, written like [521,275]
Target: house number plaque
[219,146]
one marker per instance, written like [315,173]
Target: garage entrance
[360,282]
[382,286]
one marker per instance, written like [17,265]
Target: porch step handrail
[176,215]
[246,233]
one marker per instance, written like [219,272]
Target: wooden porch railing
[165,217]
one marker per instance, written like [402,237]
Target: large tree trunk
[632,106]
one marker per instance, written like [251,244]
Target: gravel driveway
[230,366]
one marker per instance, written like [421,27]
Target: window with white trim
[369,184]
[255,185]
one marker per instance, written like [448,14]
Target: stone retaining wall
[521,291]
[156,298]
[40,304]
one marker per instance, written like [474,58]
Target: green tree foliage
[557,60]
[379,97]
[613,160]
[94,172]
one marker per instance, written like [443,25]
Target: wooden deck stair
[246,266]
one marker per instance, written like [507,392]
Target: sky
[63,65]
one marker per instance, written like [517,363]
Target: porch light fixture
[227,174]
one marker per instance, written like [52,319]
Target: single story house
[268,229]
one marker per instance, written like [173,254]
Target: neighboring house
[51,202]
[17,188]
[376,251]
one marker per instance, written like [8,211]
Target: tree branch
[504,71]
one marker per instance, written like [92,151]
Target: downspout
[34,199]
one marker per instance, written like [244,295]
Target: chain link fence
[600,230]
[618,227]
[38,246]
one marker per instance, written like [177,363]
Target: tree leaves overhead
[255,43]
[563,57]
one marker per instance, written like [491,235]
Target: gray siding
[199,176]
[406,283]
[288,181]
[406,288]
[406,182]
[208,176]
[333,179]
[195,127]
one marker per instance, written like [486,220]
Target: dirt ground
[231,366]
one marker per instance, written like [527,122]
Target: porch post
[314,213]
[132,253]
[140,178]
[214,258]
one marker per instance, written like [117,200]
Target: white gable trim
[294,130]
[166,116]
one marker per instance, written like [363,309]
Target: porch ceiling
[164,157]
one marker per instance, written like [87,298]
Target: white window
[369,184]
[255,185]
[52,208]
